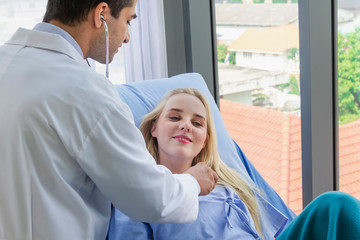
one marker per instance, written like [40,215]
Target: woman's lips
[182,139]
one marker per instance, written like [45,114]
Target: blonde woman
[179,133]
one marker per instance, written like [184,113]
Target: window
[260,89]
[247,55]
[349,96]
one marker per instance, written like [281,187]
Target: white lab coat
[68,145]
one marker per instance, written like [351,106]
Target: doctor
[68,144]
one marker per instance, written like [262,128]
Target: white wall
[271,62]
[19,13]
[243,97]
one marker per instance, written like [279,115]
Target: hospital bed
[143,96]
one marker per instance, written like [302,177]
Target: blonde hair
[209,154]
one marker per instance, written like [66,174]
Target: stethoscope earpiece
[107,45]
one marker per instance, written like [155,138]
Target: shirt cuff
[195,181]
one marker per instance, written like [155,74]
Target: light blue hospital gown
[222,215]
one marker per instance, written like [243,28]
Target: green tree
[349,76]
[294,86]
[258,1]
[293,53]
[221,51]
[261,99]
[232,58]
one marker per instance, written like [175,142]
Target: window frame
[318,87]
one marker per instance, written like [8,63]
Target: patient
[179,133]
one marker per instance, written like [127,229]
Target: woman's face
[180,131]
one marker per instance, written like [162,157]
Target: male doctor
[68,144]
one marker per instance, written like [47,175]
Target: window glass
[27,13]
[349,96]
[258,63]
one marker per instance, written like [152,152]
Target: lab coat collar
[44,40]
[51,28]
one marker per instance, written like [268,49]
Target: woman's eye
[198,124]
[174,118]
[128,23]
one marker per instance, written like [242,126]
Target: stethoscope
[107,45]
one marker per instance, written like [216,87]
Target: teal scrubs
[332,215]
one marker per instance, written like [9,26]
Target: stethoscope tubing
[107,49]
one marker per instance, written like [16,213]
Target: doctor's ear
[99,14]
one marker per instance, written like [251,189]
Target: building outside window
[260,97]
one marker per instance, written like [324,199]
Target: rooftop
[272,142]
[264,15]
[269,14]
[273,39]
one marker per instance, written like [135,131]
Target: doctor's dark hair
[208,154]
[71,12]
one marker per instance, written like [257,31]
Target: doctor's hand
[205,176]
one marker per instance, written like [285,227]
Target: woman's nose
[185,125]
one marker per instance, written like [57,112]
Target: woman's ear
[153,130]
